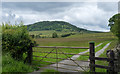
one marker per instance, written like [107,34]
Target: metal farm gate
[42,60]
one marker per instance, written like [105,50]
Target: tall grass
[11,65]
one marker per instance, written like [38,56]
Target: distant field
[76,40]
[48,33]
[94,35]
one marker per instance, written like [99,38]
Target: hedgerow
[16,40]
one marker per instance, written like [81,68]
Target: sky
[88,15]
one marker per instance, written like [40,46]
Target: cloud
[50,7]
[88,15]
[11,17]
[109,6]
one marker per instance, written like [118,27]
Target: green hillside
[60,26]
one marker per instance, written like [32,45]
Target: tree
[114,23]
[54,35]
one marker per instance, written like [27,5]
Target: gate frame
[111,59]
[92,58]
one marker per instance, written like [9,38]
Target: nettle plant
[16,40]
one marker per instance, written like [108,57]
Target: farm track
[69,68]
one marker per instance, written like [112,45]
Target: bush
[33,36]
[38,36]
[54,35]
[16,40]
[66,35]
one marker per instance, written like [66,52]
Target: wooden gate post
[92,57]
[111,62]
[30,55]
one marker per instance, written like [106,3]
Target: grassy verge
[11,65]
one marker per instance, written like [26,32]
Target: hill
[60,26]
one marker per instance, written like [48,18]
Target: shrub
[54,35]
[16,40]
[38,36]
[66,35]
[33,36]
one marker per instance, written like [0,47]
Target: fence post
[111,62]
[30,55]
[92,57]
[57,59]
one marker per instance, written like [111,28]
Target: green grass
[80,40]
[11,65]
[96,49]
[93,35]
[50,70]
[105,63]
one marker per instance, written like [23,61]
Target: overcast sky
[89,15]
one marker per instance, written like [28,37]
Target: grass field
[76,40]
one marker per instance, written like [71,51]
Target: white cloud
[6,14]
[91,16]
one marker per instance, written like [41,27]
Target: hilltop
[60,26]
